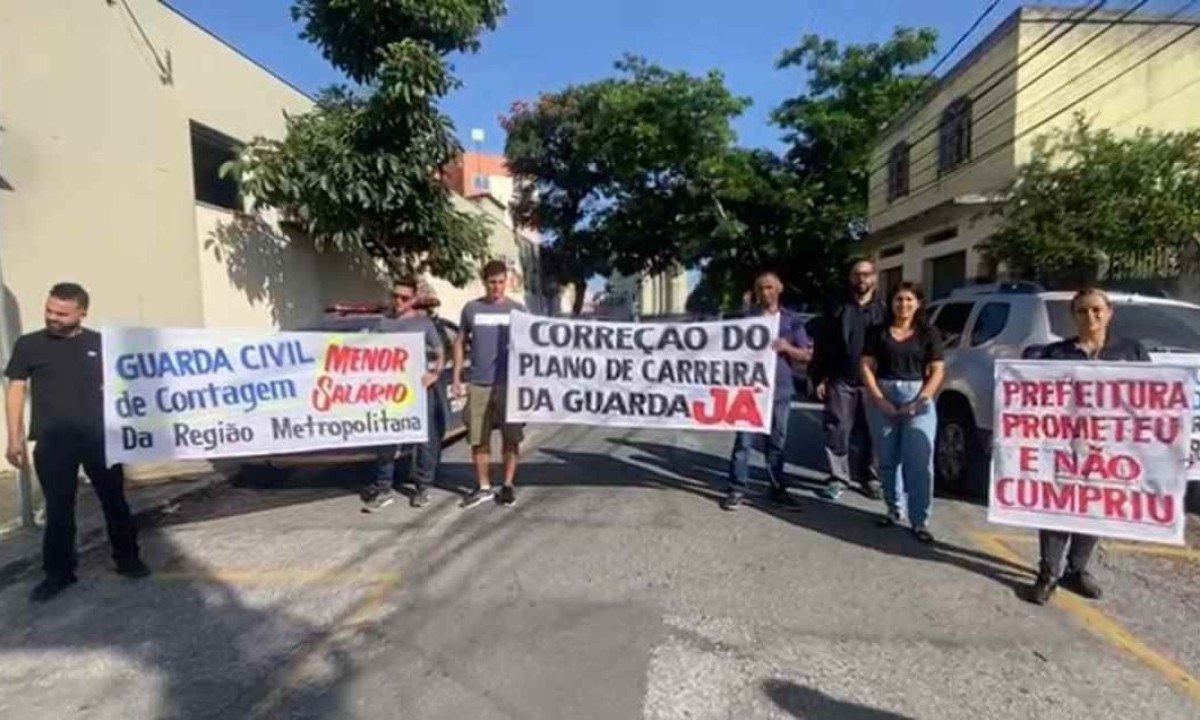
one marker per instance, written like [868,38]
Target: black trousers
[57,459]
[847,434]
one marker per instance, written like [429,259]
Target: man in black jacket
[834,369]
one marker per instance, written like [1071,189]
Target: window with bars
[898,168]
[954,140]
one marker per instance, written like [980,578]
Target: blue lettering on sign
[274,355]
[173,363]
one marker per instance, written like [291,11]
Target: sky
[544,45]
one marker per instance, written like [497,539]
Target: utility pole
[24,479]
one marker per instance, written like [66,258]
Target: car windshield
[1161,328]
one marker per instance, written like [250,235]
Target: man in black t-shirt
[64,365]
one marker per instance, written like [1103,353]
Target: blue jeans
[739,462]
[905,444]
[425,456]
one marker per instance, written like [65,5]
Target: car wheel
[959,463]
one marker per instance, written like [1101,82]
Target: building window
[480,182]
[211,150]
[940,236]
[898,171]
[954,140]
[890,279]
[946,273]
[891,251]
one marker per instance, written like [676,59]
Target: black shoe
[379,500]
[784,501]
[420,498]
[51,586]
[476,497]
[873,489]
[1082,584]
[133,569]
[732,501]
[507,496]
[1041,590]
[889,520]
[923,535]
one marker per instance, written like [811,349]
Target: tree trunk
[580,293]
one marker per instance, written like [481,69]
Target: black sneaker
[420,498]
[890,520]
[783,500]
[379,500]
[507,497]
[1082,584]
[923,535]
[873,489]
[133,569]
[477,497]
[833,489]
[50,587]
[732,501]
[1041,590]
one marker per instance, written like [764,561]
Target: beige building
[941,169]
[114,121]
[646,295]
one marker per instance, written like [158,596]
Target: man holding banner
[792,344]
[407,319]
[485,327]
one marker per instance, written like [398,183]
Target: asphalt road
[616,588]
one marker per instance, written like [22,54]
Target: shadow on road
[703,474]
[802,702]
[181,644]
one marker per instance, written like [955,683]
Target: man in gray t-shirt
[484,328]
[405,318]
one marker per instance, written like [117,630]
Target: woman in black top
[902,369]
[1065,556]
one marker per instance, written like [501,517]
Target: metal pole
[24,479]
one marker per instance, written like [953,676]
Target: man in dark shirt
[835,370]
[406,318]
[792,346]
[64,364]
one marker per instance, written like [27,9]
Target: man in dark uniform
[834,369]
[64,364]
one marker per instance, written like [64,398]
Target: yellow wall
[97,151]
[1051,81]
[992,129]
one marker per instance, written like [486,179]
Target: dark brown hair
[919,321]
[73,292]
[494,268]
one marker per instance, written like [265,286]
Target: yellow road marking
[262,576]
[1100,624]
[1133,548]
[308,663]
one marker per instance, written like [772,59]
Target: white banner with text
[204,394]
[1095,448]
[687,376]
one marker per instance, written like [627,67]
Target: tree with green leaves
[620,171]
[1090,203]
[362,169]
[805,213]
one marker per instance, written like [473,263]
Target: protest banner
[204,394]
[1095,448]
[1193,361]
[688,376]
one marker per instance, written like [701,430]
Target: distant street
[616,588]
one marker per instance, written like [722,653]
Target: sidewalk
[150,490]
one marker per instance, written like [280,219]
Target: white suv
[1004,320]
